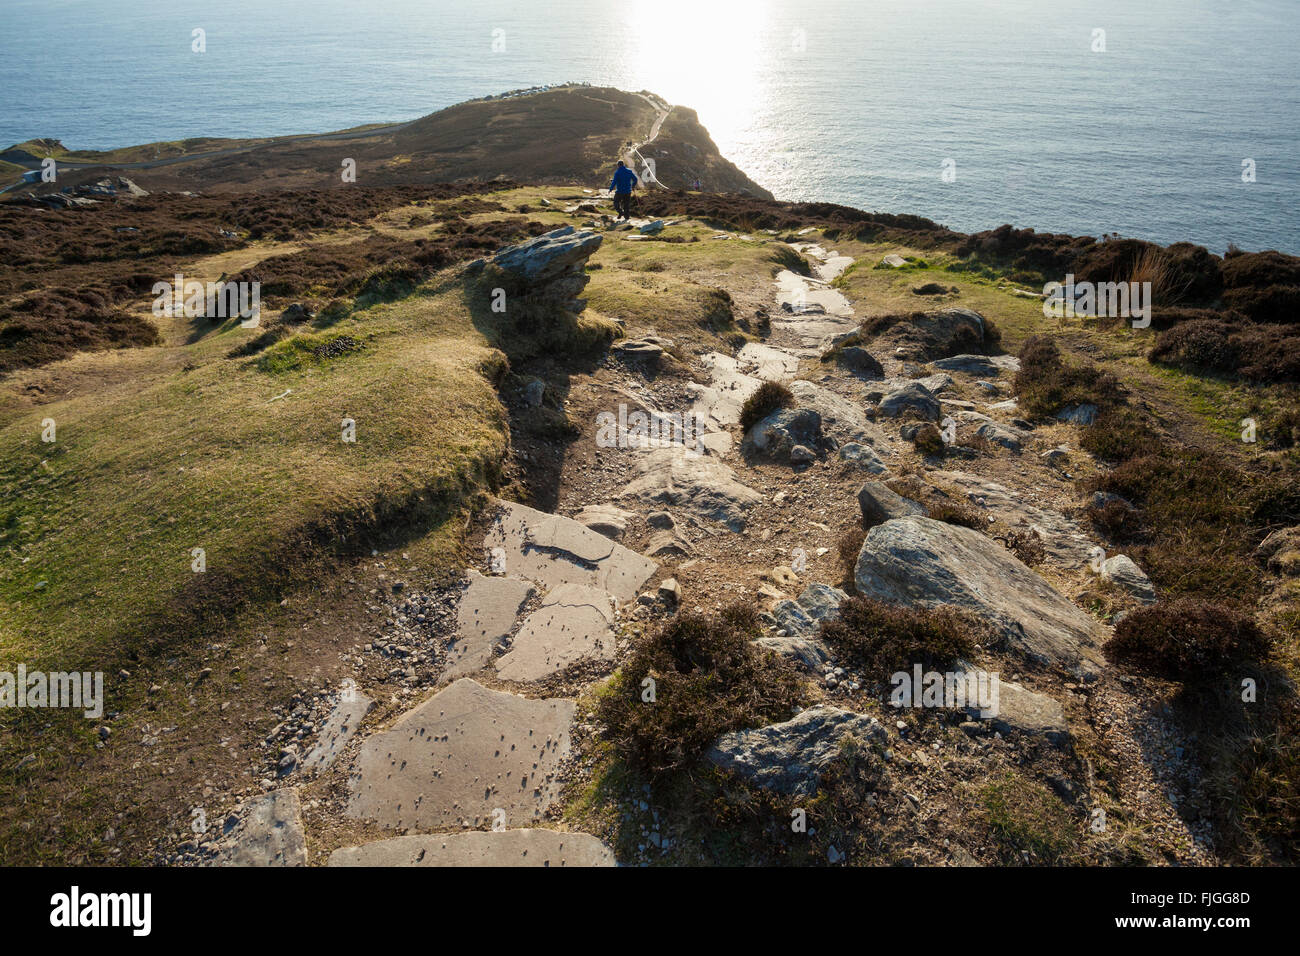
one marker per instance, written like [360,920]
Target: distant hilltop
[556,135]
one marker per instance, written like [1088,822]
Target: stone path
[477,767]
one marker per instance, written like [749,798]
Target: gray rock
[270,834]
[790,757]
[821,602]
[912,401]
[605,519]
[984,366]
[935,383]
[1063,540]
[1024,711]
[780,432]
[702,486]
[803,649]
[1123,573]
[864,457]
[1002,435]
[554,550]
[549,255]
[574,623]
[668,544]
[860,362]
[530,847]
[533,392]
[485,617]
[919,562]
[645,349]
[660,519]
[880,504]
[463,753]
[1078,414]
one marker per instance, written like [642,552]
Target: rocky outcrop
[790,757]
[552,266]
[919,562]
[780,433]
[703,486]
[913,400]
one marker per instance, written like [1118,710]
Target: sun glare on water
[706,54]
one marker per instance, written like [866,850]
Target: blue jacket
[623,181]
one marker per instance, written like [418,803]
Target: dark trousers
[623,204]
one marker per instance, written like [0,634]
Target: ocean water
[862,102]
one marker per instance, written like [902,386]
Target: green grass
[883,291]
[243,459]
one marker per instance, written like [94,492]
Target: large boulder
[790,757]
[860,362]
[913,400]
[549,255]
[781,432]
[880,504]
[920,562]
[551,267]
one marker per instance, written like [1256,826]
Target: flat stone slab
[701,485]
[790,757]
[533,847]
[920,562]
[486,615]
[574,622]
[463,753]
[269,835]
[340,727]
[554,550]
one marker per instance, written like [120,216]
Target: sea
[1166,120]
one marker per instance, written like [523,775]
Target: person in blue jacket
[622,184]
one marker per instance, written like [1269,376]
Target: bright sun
[707,54]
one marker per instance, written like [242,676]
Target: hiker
[622,184]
